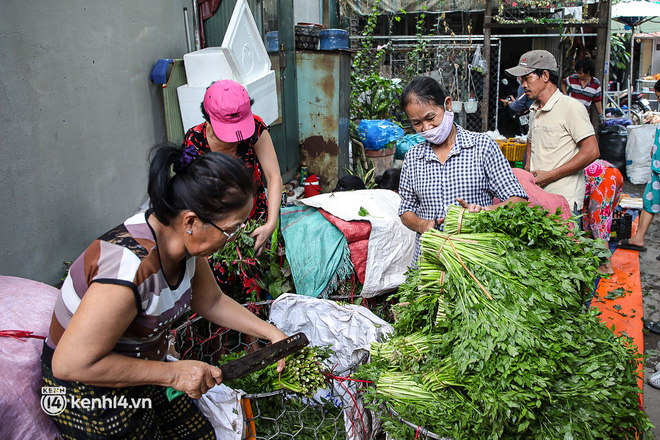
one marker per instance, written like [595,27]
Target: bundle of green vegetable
[503,346]
[303,373]
[249,273]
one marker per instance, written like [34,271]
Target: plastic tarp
[26,305]
[349,330]
[317,266]
[222,406]
[540,197]
[638,153]
[357,235]
[391,244]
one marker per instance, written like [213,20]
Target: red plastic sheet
[357,235]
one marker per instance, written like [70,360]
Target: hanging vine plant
[519,12]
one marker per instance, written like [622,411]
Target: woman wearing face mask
[453,165]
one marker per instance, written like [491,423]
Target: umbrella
[633,13]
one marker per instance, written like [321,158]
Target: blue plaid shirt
[475,171]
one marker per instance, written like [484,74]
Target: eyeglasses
[229,236]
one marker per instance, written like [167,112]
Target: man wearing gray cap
[561,140]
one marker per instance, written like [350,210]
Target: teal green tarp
[317,251]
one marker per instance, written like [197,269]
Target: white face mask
[440,133]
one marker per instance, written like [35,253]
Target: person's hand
[471,207]
[195,378]
[542,178]
[278,336]
[261,236]
[601,118]
[427,225]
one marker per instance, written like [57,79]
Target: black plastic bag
[612,144]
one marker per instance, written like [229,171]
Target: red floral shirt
[196,144]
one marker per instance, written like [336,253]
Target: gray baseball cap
[532,60]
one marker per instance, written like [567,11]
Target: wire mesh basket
[279,414]
[198,339]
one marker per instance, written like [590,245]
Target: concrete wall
[78,115]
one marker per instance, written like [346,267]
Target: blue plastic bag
[376,133]
[406,143]
[617,121]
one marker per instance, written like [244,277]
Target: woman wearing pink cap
[230,127]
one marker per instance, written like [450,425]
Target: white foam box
[264,93]
[244,50]
[190,99]
[207,65]
[262,90]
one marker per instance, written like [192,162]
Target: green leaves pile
[493,339]
[269,271]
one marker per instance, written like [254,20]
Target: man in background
[561,140]
[584,87]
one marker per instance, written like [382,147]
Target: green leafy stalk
[304,373]
[492,338]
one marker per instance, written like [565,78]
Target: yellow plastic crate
[513,151]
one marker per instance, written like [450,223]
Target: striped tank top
[127,255]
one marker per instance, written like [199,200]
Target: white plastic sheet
[638,153]
[349,330]
[391,244]
[222,406]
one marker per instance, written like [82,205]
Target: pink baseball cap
[228,106]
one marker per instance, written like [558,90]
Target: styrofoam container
[243,47]
[190,99]
[207,65]
[264,92]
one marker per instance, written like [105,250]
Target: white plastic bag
[222,406]
[478,60]
[638,153]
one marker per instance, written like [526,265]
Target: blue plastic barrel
[272,42]
[333,39]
